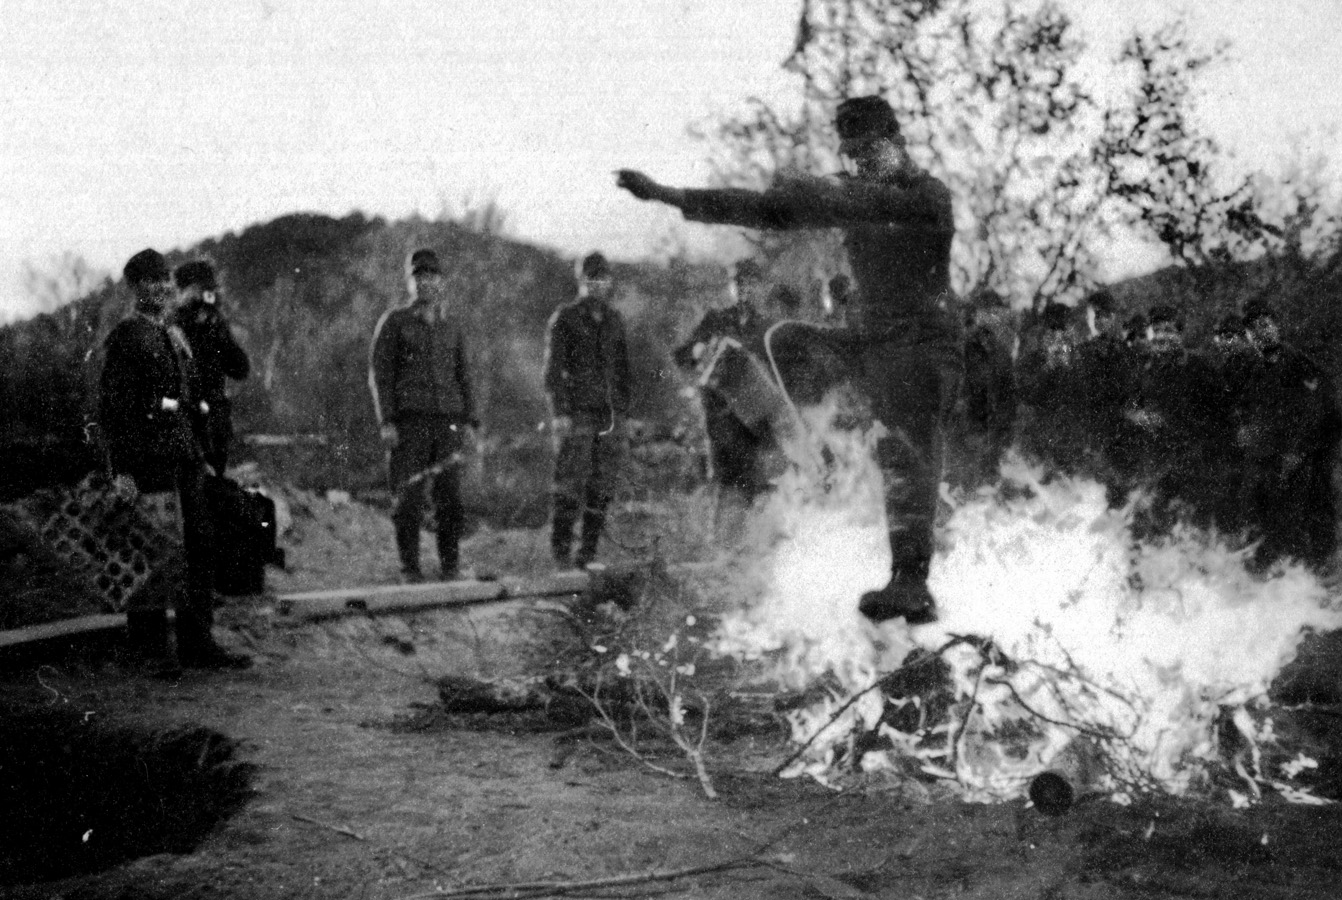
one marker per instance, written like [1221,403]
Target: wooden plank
[574,582]
[84,625]
[369,600]
[387,598]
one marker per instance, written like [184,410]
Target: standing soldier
[1290,434]
[1175,424]
[587,379]
[898,226]
[421,382]
[735,447]
[1051,390]
[990,383]
[1104,367]
[151,450]
[215,356]
[1232,359]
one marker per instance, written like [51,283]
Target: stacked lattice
[116,546]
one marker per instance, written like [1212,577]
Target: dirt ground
[360,793]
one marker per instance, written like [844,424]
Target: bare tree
[60,280]
[995,105]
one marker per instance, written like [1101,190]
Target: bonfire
[1069,659]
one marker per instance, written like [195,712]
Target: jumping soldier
[215,355]
[588,383]
[735,448]
[898,226]
[151,450]
[1290,435]
[420,377]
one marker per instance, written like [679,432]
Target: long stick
[338,829]
[564,887]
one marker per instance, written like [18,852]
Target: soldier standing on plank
[587,379]
[216,356]
[421,382]
[898,227]
[143,413]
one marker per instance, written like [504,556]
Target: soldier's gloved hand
[390,436]
[124,488]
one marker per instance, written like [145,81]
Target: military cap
[866,117]
[987,298]
[594,265]
[1101,301]
[197,273]
[1166,313]
[424,260]
[747,270]
[145,266]
[1256,309]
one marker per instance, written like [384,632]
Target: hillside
[303,293]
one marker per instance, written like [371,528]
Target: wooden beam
[314,605]
[373,600]
[84,625]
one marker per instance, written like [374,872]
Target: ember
[1118,666]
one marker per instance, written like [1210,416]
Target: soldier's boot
[906,595]
[196,647]
[449,551]
[561,528]
[407,548]
[592,524]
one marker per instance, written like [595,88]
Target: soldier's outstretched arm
[795,203]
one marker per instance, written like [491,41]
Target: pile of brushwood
[634,669]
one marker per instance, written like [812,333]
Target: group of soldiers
[1240,435]
[1243,434]
[421,380]
[165,423]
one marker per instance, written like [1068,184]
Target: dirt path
[348,805]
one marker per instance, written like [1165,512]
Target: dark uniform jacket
[215,353]
[1289,406]
[420,367]
[897,234]
[587,361]
[142,370]
[1174,420]
[990,382]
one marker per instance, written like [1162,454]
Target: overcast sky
[162,123]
